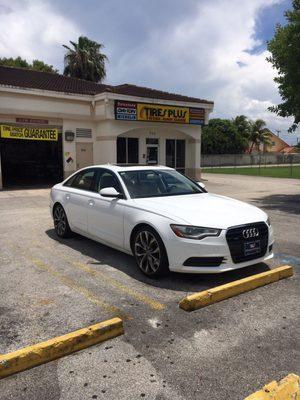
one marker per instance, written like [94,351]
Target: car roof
[120,167]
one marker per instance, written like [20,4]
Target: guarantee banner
[17,132]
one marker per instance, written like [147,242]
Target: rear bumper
[179,250]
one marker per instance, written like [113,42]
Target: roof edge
[59,83]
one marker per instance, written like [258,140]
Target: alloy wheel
[60,221]
[147,252]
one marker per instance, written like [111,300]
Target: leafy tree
[41,66]
[84,60]
[259,134]
[285,57]
[22,63]
[221,136]
[14,62]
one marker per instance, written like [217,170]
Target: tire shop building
[52,125]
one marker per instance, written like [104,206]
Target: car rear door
[105,214]
[76,199]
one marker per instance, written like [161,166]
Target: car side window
[84,180]
[107,179]
[70,181]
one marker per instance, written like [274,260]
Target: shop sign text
[131,111]
[17,132]
[32,121]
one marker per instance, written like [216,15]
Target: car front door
[76,199]
[106,214]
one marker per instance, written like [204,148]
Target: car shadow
[289,203]
[102,255]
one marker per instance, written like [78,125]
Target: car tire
[150,253]
[61,224]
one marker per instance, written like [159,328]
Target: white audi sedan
[166,220]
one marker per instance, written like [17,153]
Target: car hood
[205,209]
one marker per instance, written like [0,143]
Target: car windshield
[155,183]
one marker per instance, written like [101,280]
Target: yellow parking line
[152,303]
[82,290]
[155,305]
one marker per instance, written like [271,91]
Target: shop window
[170,153]
[133,150]
[175,154]
[180,154]
[127,150]
[121,150]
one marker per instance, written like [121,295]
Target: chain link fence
[213,162]
[241,160]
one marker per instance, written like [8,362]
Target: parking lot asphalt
[228,350]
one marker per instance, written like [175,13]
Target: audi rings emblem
[250,233]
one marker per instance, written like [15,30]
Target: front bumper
[179,250]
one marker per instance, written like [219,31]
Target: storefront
[161,145]
[48,133]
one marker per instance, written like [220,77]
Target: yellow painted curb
[219,293]
[52,349]
[287,389]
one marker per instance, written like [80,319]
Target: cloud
[201,48]
[209,54]
[33,29]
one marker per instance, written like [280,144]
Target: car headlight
[194,232]
[268,221]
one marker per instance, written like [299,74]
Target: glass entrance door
[152,151]
[152,155]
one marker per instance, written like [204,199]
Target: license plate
[252,247]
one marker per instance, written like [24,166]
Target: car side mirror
[202,185]
[110,192]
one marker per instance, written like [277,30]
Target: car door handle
[91,203]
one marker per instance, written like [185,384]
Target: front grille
[236,241]
[203,261]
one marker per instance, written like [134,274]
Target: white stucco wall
[26,103]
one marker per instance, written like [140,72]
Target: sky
[214,50]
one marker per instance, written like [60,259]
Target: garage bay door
[31,155]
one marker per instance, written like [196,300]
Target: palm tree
[243,125]
[84,60]
[259,134]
